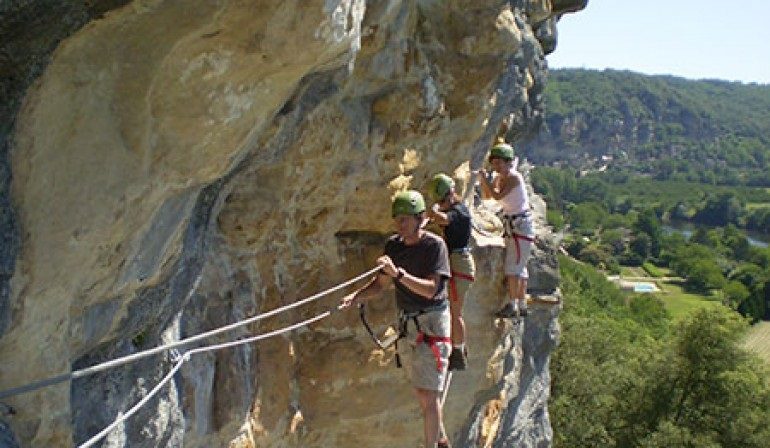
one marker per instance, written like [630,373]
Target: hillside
[671,128]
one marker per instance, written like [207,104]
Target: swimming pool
[645,287]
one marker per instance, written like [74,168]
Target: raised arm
[439,217]
[498,188]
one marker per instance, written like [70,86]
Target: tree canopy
[624,375]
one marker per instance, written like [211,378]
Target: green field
[678,302]
[681,303]
[649,190]
[632,271]
[758,340]
[754,205]
[653,270]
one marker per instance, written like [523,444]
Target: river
[755,239]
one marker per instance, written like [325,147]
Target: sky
[695,39]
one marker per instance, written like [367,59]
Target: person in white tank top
[516,201]
[509,190]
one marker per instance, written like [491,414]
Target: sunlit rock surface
[175,166]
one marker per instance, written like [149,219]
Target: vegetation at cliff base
[624,375]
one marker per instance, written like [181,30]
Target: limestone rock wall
[180,165]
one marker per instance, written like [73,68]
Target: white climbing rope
[143,354]
[186,357]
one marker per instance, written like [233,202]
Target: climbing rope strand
[223,329]
[123,417]
[143,354]
[69,375]
[186,357]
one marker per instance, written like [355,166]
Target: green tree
[704,274]
[588,215]
[641,245]
[735,293]
[554,219]
[622,378]
[755,306]
[647,222]
[698,265]
[700,389]
[759,219]
[597,255]
[614,240]
[720,210]
[736,242]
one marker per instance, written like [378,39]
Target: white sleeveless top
[516,201]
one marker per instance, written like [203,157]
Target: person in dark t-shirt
[454,218]
[417,263]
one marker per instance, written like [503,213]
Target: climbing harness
[391,340]
[510,226]
[453,295]
[433,341]
[511,222]
[402,331]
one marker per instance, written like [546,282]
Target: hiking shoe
[443,443]
[457,359]
[507,311]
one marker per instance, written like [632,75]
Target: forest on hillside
[668,128]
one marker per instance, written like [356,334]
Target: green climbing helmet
[408,202]
[440,186]
[502,150]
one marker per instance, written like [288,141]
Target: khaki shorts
[462,266]
[419,360]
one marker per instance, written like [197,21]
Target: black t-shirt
[457,233]
[428,256]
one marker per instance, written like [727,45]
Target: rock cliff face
[168,167]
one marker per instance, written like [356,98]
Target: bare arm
[438,216]
[499,187]
[366,292]
[486,188]
[425,287]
